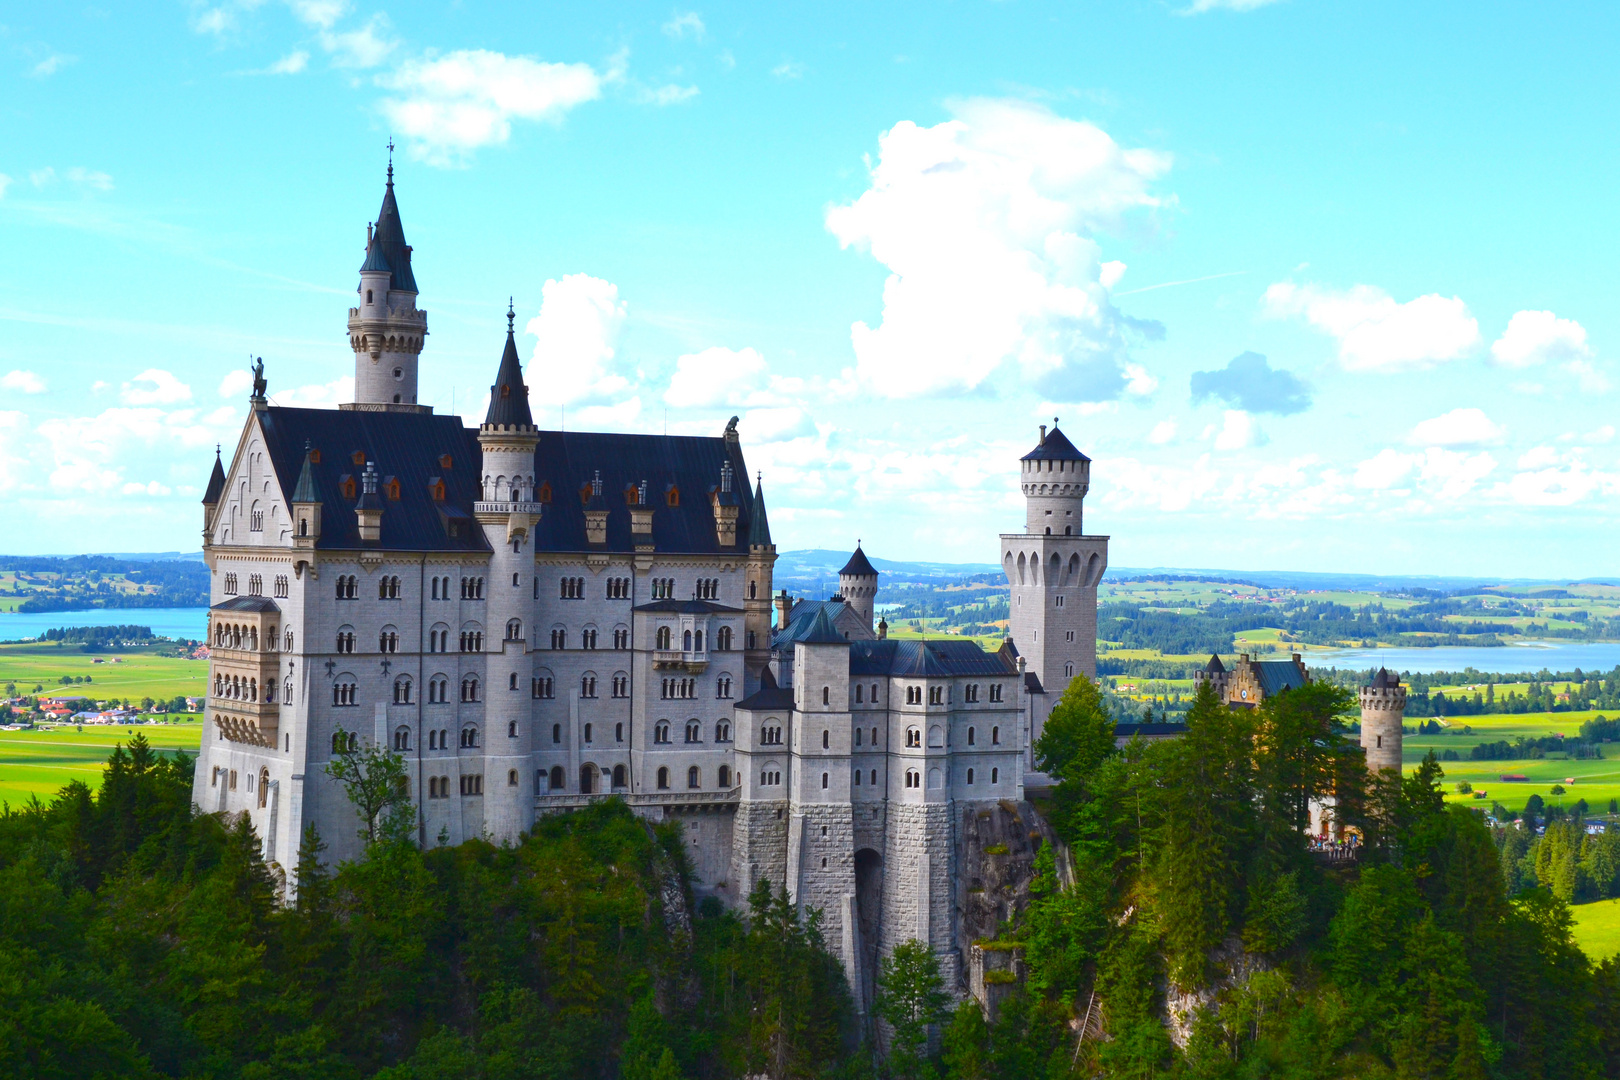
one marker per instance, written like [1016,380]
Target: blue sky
[1319,285]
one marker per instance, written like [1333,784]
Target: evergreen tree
[912,999]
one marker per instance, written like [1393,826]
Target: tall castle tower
[507,512]
[387,329]
[1054,569]
[1383,711]
[858,584]
[757,598]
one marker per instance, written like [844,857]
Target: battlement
[1383,699]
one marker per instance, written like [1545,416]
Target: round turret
[1055,477]
[858,584]
[1383,711]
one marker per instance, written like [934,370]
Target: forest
[1183,927]
[48,583]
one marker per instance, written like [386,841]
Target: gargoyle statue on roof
[731,428]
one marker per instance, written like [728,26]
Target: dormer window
[506,390]
[544,494]
[672,495]
[436,489]
[314,457]
[347,482]
[392,484]
[358,457]
[444,461]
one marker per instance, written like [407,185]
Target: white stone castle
[534,619]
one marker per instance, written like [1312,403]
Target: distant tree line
[179,582]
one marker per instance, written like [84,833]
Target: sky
[1318,284]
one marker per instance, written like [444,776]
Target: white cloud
[1375,333]
[365,47]
[151,487]
[789,69]
[22,382]
[1438,473]
[1535,337]
[1459,427]
[1199,7]
[684,23]
[1138,381]
[339,391]
[580,321]
[1547,477]
[1238,431]
[1588,377]
[89,178]
[453,104]
[714,377]
[291,64]
[666,95]
[42,177]
[319,13]
[1163,432]
[51,65]
[5,182]
[154,386]
[235,383]
[981,221]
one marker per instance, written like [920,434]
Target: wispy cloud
[665,95]
[291,64]
[22,382]
[789,69]
[685,24]
[51,65]
[1199,7]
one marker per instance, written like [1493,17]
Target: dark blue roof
[216,483]
[1055,447]
[411,447]
[688,607]
[509,397]
[821,632]
[933,658]
[246,603]
[687,466]
[389,238]
[1214,667]
[858,566]
[407,446]
[759,528]
[1275,676]
[768,696]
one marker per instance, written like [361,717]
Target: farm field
[43,762]
[142,672]
[1596,780]
[1597,928]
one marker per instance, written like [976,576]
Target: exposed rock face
[1234,967]
[995,857]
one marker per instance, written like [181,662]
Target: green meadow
[1597,928]
[1595,780]
[43,762]
[137,673]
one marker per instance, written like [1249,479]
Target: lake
[190,622]
[1522,657]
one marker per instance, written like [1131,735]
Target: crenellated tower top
[1055,477]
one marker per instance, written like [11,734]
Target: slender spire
[307,490]
[389,237]
[509,397]
[759,528]
[216,482]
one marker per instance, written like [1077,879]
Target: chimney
[883,629]
[369,509]
[1043,434]
[726,508]
[596,513]
[641,513]
[783,605]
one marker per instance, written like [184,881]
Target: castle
[616,634]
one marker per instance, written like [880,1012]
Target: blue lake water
[1527,657]
[191,622]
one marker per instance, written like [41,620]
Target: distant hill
[815,573]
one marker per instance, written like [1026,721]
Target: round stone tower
[507,511]
[858,584]
[386,329]
[1383,710]
[1055,478]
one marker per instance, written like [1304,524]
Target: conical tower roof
[307,491]
[216,482]
[1055,446]
[858,566]
[509,397]
[822,631]
[388,242]
[759,528]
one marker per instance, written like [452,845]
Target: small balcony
[680,660]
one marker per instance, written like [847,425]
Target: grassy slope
[142,673]
[43,762]
[1597,928]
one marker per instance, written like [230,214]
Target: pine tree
[912,998]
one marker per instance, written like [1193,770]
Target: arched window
[264,788]
[556,778]
[663,778]
[661,732]
[723,778]
[694,777]
[686,641]
[995,736]
[970,776]
[511,778]
[618,776]
[694,731]
[511,729]
[556,733]
[402,738]
[514,630]
[995,776]
[469,688]
[469,736]
[826,695]
[402,690]
[587,737]
[663,637]
[913,778]
[824,779]
[826,740]
[722,732]
[972,736]
[913,736]
[859,689]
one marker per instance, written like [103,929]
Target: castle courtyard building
[534,619]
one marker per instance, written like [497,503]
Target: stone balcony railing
[482,507]
[680,659]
